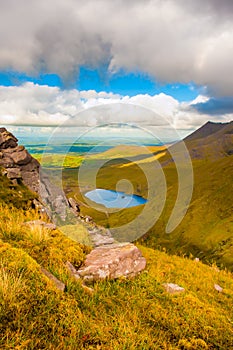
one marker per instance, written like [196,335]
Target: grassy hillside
[211,141]
[123,314]
[207,229]
[14,195]
[115,315]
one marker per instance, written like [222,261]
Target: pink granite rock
[113,261]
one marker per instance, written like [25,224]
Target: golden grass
[11,285]
[121,314]
[123,151]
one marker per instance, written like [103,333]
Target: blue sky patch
[122,83]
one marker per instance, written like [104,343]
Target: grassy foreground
[123,314]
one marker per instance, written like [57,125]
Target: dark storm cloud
[215,106]
[180,40]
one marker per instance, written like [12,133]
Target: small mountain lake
[114,199]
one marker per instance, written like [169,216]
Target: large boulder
[112,261]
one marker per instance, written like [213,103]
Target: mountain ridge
[207,129]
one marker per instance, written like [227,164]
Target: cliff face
[17,163]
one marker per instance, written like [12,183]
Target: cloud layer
[173,40]
[32,104]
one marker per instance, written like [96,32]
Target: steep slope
[120,314]
[129,314]
[206,130]
[212,141]
[18,195]
[207,229]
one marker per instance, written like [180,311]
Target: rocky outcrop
[18,164]
[7,140]
[54,199]
[112,261]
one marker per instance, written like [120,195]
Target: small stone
[197,259]
[72,270]
[218,288]
[172,288]
[59,285]
[88,219]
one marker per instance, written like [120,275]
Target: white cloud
[174,40]
[32,104]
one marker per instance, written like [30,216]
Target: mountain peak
[212,141]
[206,130]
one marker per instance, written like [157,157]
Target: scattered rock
[36,204]
[60,285]
[72,270]
[100,236]
[47,225]
[172,288]
[88,219]
[100,240]
[74,205]
[218,288]
[113,261]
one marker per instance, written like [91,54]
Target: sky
[63,61]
